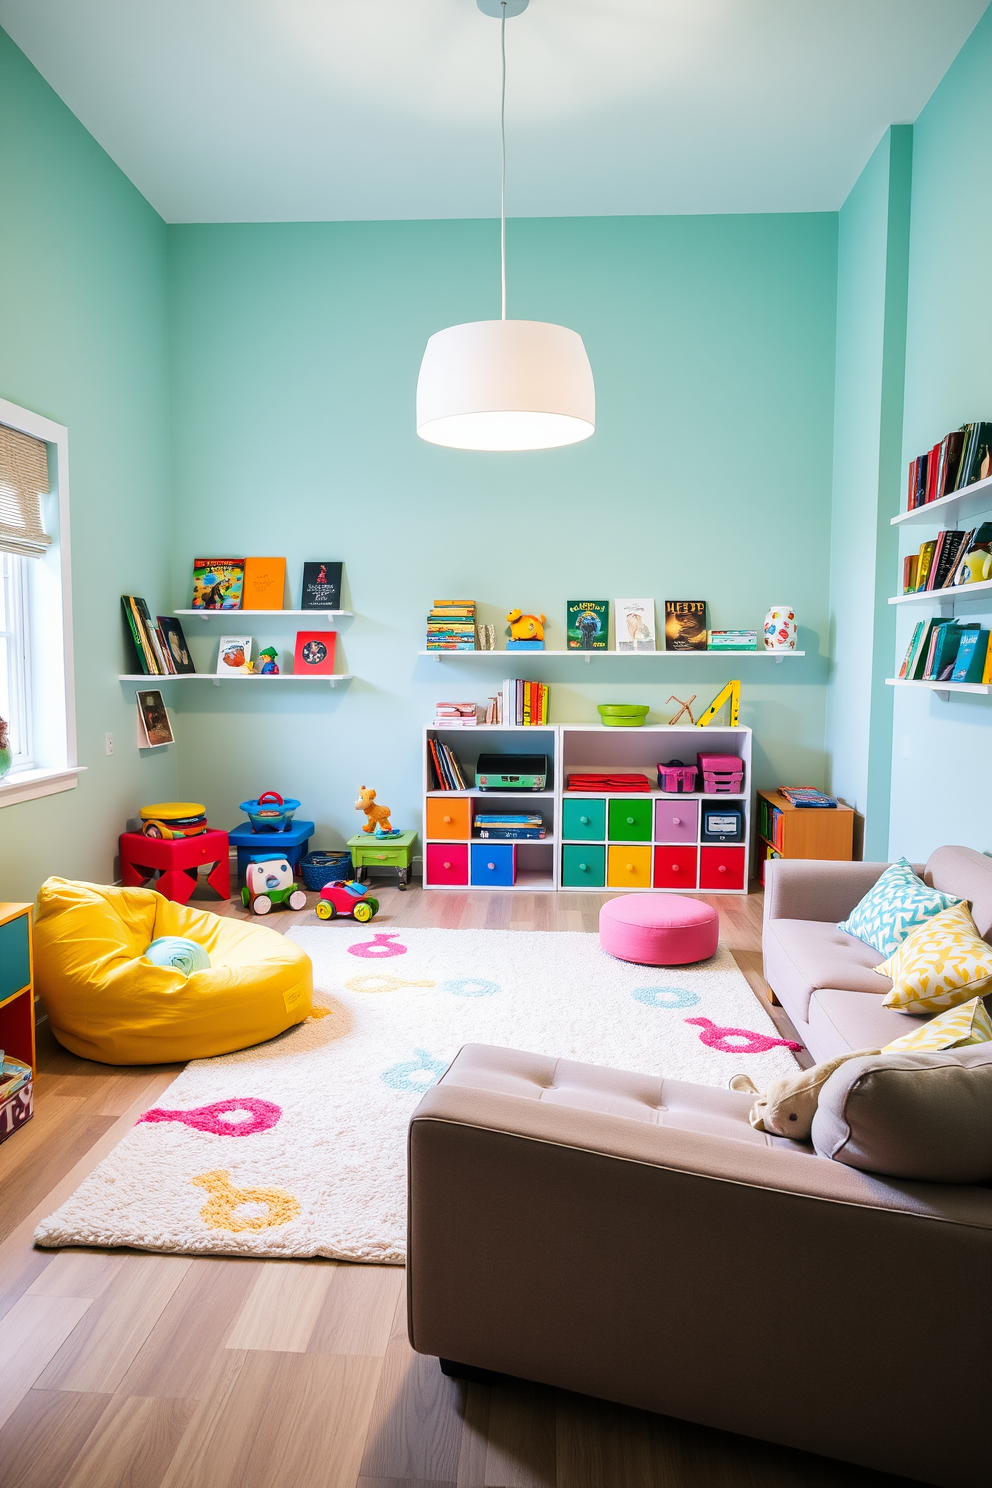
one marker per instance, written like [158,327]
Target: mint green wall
[873,243]
[941,750]
[83,265]
[294,358]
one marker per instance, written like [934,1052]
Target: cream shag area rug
[298,1146]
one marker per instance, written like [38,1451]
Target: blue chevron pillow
[894,905]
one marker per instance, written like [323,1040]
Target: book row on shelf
[956,461]
[945,650]
[260,583]
[949,560]
[519,703]
[452,625]
[161,649]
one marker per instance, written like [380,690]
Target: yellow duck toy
[526,627]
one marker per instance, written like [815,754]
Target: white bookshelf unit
[598,841]
[950,512]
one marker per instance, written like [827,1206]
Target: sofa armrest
[816,889]
[633,1261]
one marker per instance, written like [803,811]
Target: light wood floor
[126,1370]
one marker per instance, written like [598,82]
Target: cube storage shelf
[17,1008]
[600,841]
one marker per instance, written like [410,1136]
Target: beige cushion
[804,955]
[918,1116]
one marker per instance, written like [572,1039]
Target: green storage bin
[583,821]
[583,867]
[630,821]
[15,957]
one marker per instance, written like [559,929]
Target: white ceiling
[284,110]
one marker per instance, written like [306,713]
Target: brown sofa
[823,977]
[634,1238]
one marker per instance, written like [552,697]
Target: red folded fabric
[588,782]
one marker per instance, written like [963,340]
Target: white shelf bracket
[942,693]
[216,682]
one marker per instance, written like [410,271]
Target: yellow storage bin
[628,868]
[106,1002]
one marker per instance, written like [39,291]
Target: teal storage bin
[583,821]
[583,867]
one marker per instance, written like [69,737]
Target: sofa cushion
[802,955]
[893,906]
[968,1023]
[939,964]
[839,1020]
[919,1116]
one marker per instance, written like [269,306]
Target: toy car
[346,898]
[270,883]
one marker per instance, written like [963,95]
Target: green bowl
[623,715]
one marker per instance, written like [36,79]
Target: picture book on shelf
[233,656]
[321,586]
[264,584]
[635,624]
[176,649]
[154,728]
[587,625]
[218,583]
[685,625]
[314,654]
[969,663]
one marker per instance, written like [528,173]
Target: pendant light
[505,384]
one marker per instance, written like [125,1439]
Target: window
[36,693]
[15,669]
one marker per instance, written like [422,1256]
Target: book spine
[135,634]
[987,668]
[442,783]
[151,666]
[936,560]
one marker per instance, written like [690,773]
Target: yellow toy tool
[730,694]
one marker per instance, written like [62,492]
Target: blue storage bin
[493,863]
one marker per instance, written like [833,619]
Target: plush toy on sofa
[788,1106]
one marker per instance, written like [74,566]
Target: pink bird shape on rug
[753,1043]
[261,1115]
[378,947]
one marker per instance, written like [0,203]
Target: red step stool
[178,861]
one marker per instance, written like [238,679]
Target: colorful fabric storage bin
[723,774]
[677,777]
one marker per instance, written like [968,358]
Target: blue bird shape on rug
[401,1076]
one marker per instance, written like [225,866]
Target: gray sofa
[633,1237]
[823,977]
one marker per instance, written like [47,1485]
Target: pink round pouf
[658,929]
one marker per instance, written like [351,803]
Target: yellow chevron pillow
[969,1023]
[941,963]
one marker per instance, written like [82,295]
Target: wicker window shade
[23,482]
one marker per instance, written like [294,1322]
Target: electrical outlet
[110,743]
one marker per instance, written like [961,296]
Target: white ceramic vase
[780,628]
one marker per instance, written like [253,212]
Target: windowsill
[26,785]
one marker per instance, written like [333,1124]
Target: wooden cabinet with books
[789,831]
[17,1058]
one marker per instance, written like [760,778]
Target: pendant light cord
[502,133]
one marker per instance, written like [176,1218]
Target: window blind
[23,482]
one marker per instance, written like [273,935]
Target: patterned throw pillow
[939,964]
[968,1024]
[893,906]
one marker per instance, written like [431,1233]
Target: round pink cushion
[659,929]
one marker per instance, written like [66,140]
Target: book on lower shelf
[445,768]
[520,703]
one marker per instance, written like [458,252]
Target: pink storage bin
[676,777]
[722,785]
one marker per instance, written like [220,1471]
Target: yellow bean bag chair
[105,1001]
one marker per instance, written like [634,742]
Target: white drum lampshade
[505,385]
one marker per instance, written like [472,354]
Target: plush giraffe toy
[376,817]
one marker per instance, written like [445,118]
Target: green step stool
[369,851]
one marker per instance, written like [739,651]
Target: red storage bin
[722,868]
[447,863]
[675,868]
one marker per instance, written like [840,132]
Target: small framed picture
[154,728]
[233,656]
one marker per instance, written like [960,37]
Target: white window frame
[52,701]
[15,625]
